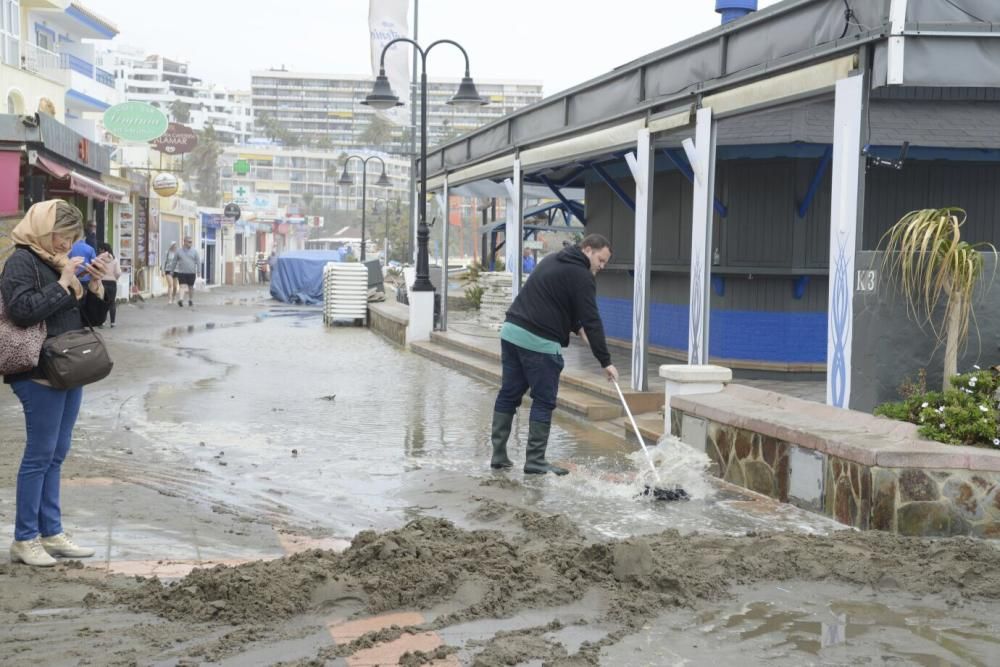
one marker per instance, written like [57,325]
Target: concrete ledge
[847,434]
[743,364]
[685,373]
[867,472]
[389,319]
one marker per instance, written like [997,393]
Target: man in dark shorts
[186,269]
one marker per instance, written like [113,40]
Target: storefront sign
[165,185]
[177,140]
[135,121]
[232,211]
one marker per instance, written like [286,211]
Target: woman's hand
[96,268]
[68,274]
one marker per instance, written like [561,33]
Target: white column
[445,209]
[896,50]
[641,165]
[848,167]
[514,231]
[701,155]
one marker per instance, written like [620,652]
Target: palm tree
[925,253]
[181,111]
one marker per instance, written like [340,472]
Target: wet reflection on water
[819,624]
[378,433]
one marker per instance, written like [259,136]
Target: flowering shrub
[966,414]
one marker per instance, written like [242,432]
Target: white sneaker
[62,545]
[30,552]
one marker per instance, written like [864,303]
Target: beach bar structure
[744,177]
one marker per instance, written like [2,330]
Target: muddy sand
[454,577]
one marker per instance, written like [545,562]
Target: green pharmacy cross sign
[241,167]
[135,121]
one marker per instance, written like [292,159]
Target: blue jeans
[49,417]
[524,369]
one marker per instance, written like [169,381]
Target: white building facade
[169,85]
[328,107]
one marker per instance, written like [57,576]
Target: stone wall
[388,320]
[911,501]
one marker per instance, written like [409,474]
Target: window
[10,32]
[43,38]
[15,103]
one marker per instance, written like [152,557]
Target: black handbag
[75,358]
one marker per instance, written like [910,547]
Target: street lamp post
[345,179]
[382,97]
[385,202]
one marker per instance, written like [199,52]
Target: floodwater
[818,624]
[333,428]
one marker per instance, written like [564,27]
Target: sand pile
[429,560]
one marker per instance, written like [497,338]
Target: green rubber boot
[534,460]
[502,424]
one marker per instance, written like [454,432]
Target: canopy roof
[793,50]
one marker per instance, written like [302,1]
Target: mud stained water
[457,577]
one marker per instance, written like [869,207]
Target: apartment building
[327,109]
[57,40]
[304,180]
[169,85]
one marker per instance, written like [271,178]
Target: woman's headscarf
[35,231]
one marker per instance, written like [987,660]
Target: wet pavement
[335,430]
[245,429]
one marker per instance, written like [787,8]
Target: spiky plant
[926,256]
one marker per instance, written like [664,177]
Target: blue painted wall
[787,337]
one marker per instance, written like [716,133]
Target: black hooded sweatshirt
[560,297]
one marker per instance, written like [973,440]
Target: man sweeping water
[560,297]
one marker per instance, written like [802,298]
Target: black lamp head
[345,178]
[467,95]
[383,180]
[382,96]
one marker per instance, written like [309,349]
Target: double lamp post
[382,97]
[345,179]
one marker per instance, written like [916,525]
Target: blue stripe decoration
[733,334]
[87,99]
[90,22]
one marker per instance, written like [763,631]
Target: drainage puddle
[818,624]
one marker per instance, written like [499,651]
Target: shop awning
[84,185]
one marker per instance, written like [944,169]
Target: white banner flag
[387,20]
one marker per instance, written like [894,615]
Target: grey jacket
[188,261]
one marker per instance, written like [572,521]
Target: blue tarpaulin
[298,276]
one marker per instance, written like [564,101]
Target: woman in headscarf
[40,284]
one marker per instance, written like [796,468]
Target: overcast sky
[559,43]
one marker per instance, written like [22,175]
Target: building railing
[41,61]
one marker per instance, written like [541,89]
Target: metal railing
[41,61]
[52,65]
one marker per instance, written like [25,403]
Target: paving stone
[924,519]
[916,485]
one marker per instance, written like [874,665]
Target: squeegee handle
[635,427]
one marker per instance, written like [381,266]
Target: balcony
[63,67]
[42,62]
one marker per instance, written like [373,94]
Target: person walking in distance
[40,284]
[112,271]
[560,297]
[169,264]
[186,270]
